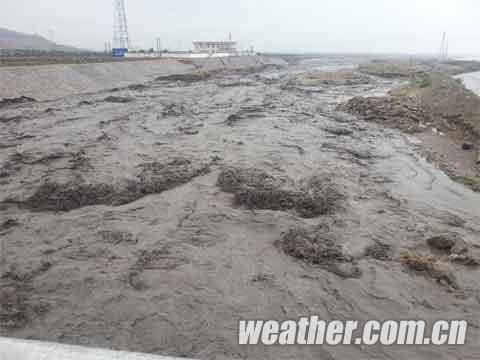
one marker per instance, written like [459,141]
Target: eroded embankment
[442,112]
[54,81]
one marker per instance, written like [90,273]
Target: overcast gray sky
[407,26]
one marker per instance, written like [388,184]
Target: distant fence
[19,57]
[46,53]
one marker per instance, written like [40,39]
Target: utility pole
[51,37]
[121,39]
[443,47]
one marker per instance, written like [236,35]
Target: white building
[214,47]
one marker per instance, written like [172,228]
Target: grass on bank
[447,99]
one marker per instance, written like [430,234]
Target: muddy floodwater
[153,218]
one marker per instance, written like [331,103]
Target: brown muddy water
[153,218]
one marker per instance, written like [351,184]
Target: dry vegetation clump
[329,78]
[379,251]
[154,178]
[18,306]
[457,249]
[118,99]
[198,75]
[15,101]
[157,177]
[232,179]
[431,266]
[472,182]
[255,189]
[315,247]
[388,69]
[319,246]
[406,114]
[13,309]
[52,196]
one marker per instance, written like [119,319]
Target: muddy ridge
[154,178]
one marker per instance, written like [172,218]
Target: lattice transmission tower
[121,38]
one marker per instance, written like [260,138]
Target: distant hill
[15,40]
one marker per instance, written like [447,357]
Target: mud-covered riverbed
[152,218]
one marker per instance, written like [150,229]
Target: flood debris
[52,196]
[445,242]
[255,189]
[8,225]
[17,305]
[245,113]
[154,178]
[13,308]
[405,114]
[187,78]
[85,102]
[236,83]
[137,87]
[390,69]
[455,247]
[8,169]
[15,101]
[319,246]
[472,182]
[301,150]
[339,131]
[157,177]
[379,251]
[162,259]
[329,78]
[358,153]
[173,110]
[233,179]
[430,266]
[10,119]
[117,237]
[118,99]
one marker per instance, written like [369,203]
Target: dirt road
[153,218]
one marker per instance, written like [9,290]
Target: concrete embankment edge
[55,81]
[13,349]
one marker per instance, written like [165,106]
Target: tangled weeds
[256,189]
[16,101]
[233,179]
[158,177]
[154,178]
[13,308]
[17,306]
[403,113]
[117,237]
[430,266]
[173,110]
[455,247]
[187,78]
[158,259]
[327,78]
[446,249]
[248,112]
[318,246]
[379,251]
[118,99]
